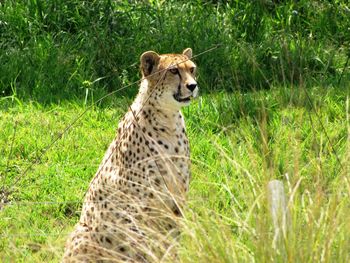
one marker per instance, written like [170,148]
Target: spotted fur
[131,208]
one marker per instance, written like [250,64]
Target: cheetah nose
[192,86]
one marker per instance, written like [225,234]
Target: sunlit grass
[239,142]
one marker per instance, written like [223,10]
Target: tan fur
[133,202]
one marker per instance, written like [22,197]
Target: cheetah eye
[174,70]
[192,70]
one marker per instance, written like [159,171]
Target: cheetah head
[171,77]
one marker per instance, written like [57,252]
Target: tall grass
[262,136]
[60,47]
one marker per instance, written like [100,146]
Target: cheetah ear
[149,60]
[187,52]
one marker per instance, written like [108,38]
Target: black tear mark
[179,86]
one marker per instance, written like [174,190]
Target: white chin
[195,93]
[186,103]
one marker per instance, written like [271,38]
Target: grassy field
[239,142]
[274,104]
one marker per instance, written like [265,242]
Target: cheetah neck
[144,99]
[170,119]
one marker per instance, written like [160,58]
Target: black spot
[176,211]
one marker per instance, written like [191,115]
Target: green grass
[239,142]
[253,123]
[61,46]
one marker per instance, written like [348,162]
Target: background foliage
[61,47]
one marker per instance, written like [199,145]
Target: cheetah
[131,209]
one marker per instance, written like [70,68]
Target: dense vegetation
[65,48]
[274,105]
